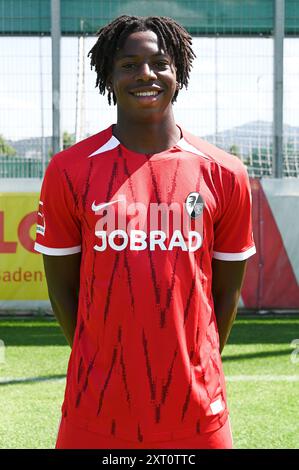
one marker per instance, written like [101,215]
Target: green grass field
[262,382]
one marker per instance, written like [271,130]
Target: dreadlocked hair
[172,38]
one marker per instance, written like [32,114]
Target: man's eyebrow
[132,56]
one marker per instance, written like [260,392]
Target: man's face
[143,77]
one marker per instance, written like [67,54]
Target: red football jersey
[145,363]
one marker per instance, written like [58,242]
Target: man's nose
[145,72]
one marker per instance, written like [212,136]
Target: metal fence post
[55,35]
[279,18]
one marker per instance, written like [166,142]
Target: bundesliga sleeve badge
[41,223]
[194,205]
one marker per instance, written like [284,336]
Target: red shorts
[72,437]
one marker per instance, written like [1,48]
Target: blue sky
[244,86]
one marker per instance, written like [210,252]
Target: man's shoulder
[214,154]
[79,153]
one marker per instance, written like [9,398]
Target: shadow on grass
[255,355]
[265,331]
[16,332]
[30,380]
[30,335]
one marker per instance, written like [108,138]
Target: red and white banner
[272,275]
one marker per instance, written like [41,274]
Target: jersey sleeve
[58,230]
[233,237]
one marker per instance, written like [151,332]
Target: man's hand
[63,279]
[227,282]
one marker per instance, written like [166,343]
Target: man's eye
[162,64]
[129,65]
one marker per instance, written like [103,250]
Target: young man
[144,231]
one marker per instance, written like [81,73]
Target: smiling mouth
[146,93]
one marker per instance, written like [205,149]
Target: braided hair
[172,38]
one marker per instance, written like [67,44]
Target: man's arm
[63,279]
[227,282]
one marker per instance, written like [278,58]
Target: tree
[68,140]
[6,150]
[234,150]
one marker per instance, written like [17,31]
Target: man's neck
[147,137]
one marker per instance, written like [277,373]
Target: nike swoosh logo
[98,207]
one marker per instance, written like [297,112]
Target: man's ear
[109,85]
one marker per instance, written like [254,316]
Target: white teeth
[146,93]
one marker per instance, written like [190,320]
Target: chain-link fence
[229,100]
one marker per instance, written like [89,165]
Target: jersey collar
[182,144]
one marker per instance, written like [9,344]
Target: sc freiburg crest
[194,205]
